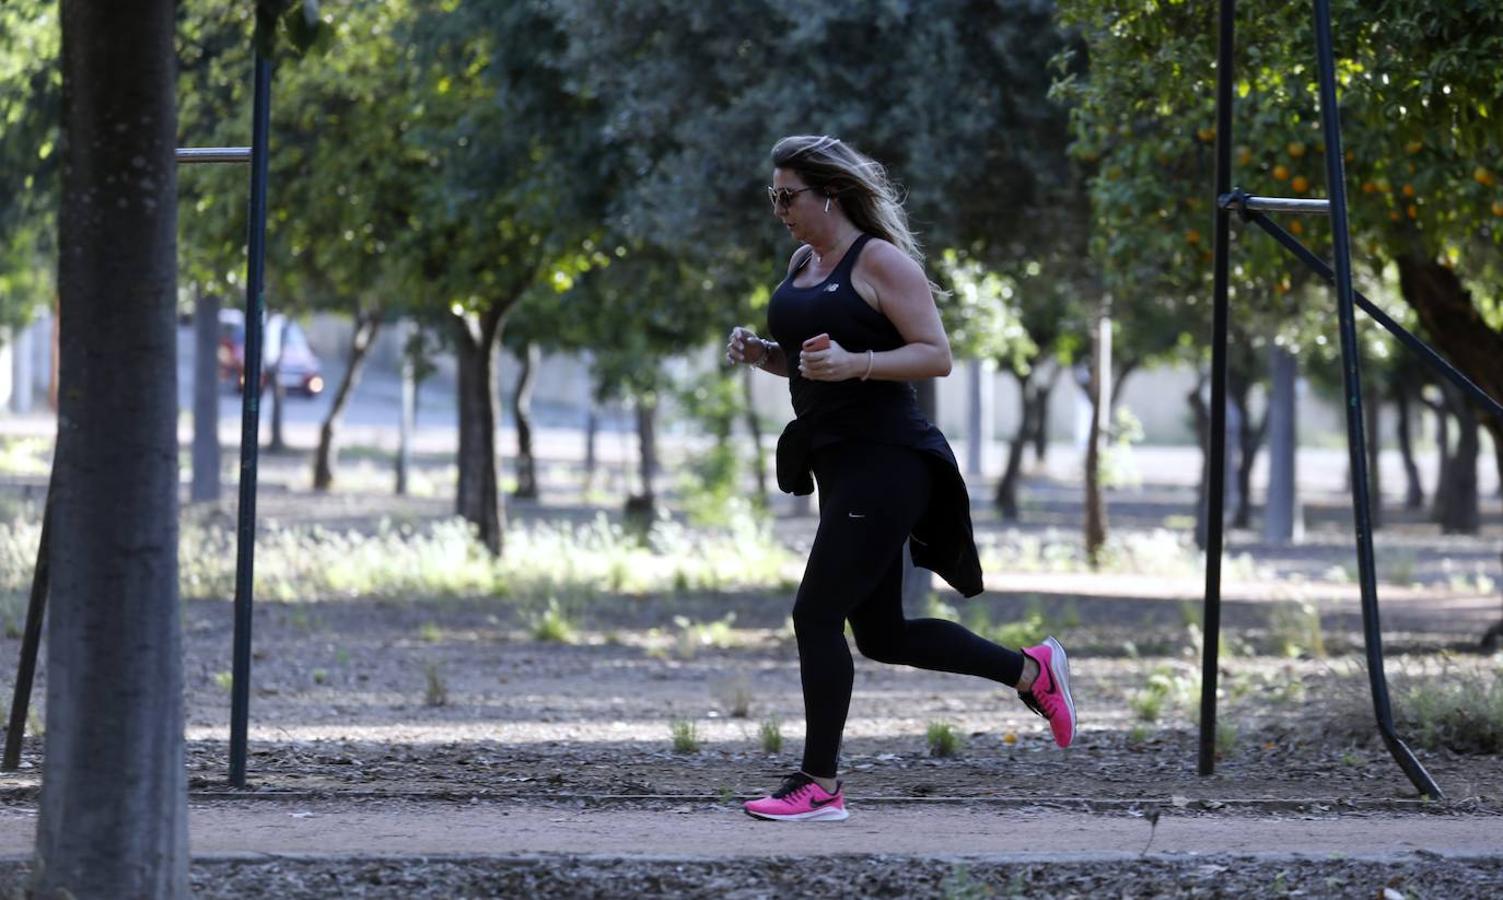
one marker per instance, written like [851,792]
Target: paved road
[389,828]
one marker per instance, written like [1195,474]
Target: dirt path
[721,831]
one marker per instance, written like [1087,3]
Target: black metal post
[31,639]
[250,424]
[1330,120]
[1216,477]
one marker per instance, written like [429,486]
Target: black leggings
[870,496]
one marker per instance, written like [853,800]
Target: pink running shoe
[1050,694]
[800,799]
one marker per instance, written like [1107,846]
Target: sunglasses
[782,198]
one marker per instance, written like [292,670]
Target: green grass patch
[685,736]
[943,739]
[770,735]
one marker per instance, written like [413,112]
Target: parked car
[298,370]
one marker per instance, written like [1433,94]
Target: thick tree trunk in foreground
[531,358]
[114,806]
[477,498]
[367,326]
[206,462]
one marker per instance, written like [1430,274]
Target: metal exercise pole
[1216,477]
[1351,377]
[36,610]
[1330,121]
[250,425]
[31,640]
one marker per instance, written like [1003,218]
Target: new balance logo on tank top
[881,412]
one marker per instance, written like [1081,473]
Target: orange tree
[1420,93]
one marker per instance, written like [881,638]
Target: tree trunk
[1454,324]
[407,412]
[1414,494]
[591,421]
[642,508]
[206,484]
[1457,508]
[592,434]
[1100,390]
[1443,470]
[1006,498]
[531,358]
[367,326]
[754,428]
[114,805]
[1250,437]
[477,498]
[1040,435]
[1201,414]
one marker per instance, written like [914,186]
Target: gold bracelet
[870,358]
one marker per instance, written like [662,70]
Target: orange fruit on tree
[1300,184]
[1393,215]
[1351,156]
[1296,149]
[1369,188]
[1206,135]
[1408,190]
[1414,147]
[1296,227]
[1498,207]
[1483,177]
[1244,156]
[1412,211]
[1281,173]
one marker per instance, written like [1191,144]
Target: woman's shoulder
[882,257]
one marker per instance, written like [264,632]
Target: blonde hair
[859,182]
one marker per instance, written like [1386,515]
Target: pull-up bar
[257,155]
[1240,202]
[1348,299]
[213,155]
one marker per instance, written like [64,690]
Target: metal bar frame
[250,424]
[1346,302]
[1243,202]
[257,154]
[31,639]
[1216,476]
[213,155]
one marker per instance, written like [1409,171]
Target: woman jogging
[852,323]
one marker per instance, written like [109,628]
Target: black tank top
[833,307]
[882,412]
